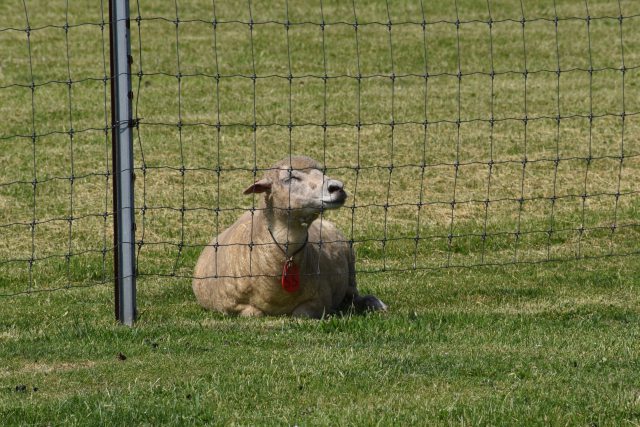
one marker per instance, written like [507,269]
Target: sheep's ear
[259,186]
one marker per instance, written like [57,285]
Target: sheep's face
[299,188]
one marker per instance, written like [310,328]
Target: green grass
[515,340]
[518,345]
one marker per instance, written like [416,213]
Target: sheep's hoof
[367,303]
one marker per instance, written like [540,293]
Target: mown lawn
[492,158]
[555,344]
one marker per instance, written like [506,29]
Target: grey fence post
[123,174]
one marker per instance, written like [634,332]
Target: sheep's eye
[291,178]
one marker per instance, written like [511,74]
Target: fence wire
[467,133]
[55,189]
[435,179]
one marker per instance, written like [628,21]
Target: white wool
[240,271]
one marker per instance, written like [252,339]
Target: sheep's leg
[368,303]
[362,304]
[249,311]
[308,310]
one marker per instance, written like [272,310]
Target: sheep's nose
[335,186]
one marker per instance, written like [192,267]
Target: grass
[514,340]
[521,345]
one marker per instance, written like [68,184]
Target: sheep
[282,259]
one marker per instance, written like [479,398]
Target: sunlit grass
[448,140]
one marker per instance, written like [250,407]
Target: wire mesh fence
[467,133]
[55,187]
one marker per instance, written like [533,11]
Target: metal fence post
[123,175]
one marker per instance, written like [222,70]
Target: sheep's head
[298,187]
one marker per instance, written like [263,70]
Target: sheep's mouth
[335,202]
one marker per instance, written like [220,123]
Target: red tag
[290,277]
